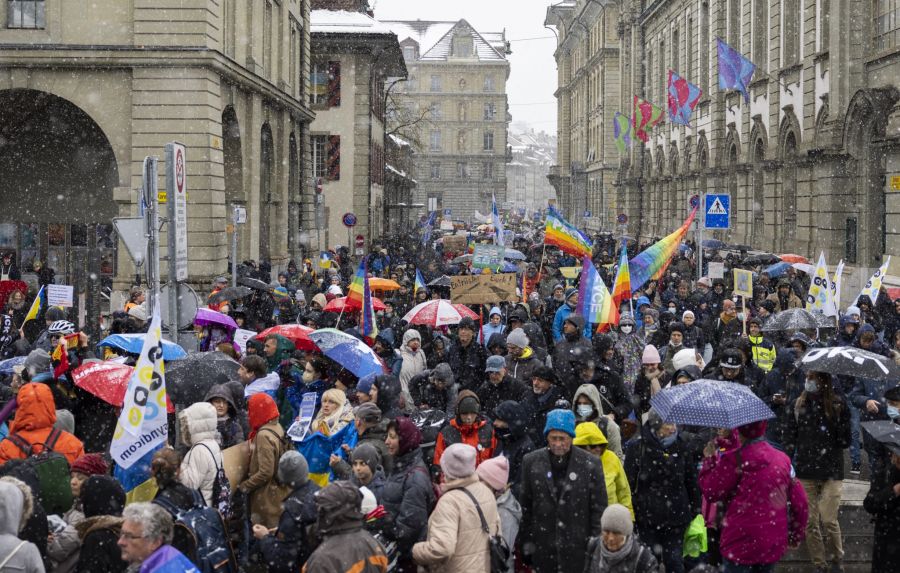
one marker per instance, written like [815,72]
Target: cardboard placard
[716,270]
[488,256]
[60,295]
[483,289]
[455,244]
[743,283]
[236,463]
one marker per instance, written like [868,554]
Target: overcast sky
[532,79]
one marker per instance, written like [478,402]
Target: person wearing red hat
[266,449]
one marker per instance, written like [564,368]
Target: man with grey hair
[145,538]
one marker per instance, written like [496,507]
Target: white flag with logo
[836,285]
[143,423]
[874,284]
[820,297]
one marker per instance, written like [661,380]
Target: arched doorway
[788,183]
[57,175]
[266,177]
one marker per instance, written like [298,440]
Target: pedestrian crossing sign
[717,210]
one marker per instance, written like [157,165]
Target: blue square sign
[717,211]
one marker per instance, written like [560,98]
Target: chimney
[346,5]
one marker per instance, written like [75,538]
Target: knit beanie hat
[368,412]
[562,420]
[458,461]
[517,338]
[368,454]
[687,313]
[293,469]
[617,518]
[651,355]
[65,421]
[90,465]
[494,472]
[365,383]
[654,420]
[684,358]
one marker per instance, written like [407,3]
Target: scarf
[613,558]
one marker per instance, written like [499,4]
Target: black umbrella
[253,283]
[850,361]
[744,248]
[761,259]
[230,293]
[188,379]
[886,432]
[443,281]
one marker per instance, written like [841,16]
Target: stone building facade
[455,106]
[811,161]
[355,57]
[527,185]
[88,88]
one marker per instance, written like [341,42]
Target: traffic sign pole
[150,188]
[176,204]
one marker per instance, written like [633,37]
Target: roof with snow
[435,38]
[344,22]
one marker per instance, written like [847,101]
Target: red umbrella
[337,305]
[296,333]
[464,311]
[436,313]
[105,380]
[792,258]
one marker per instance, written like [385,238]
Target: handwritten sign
[483,289]
[60,295]
[241,336]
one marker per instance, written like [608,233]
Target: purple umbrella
[209,317]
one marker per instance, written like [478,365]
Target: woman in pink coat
[765,507]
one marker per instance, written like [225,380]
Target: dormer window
[410,52]
[463,46]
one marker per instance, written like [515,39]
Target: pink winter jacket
[758,522]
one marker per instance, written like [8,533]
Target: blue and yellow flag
[317,449]
[419,284]
[36,307]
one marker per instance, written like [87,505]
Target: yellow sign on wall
[895,182]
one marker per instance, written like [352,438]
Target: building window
[825,23]
[463,46]
[676,52]
[887,25]
[704,47]
[409,52]
[789,176]
[488,140]
[689,50]
[488,83]
[325,84]
[760,34]
[435,110]
[267,40]
[490,110]
[662,75]
[435,170]
[435,83]
[791,33]
[435,140]
[319,146]
[734,24]
[462,169]
[26,14]
[487,170]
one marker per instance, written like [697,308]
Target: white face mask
[584,410]
[627,328]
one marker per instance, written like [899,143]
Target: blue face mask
[893,412]
[668,440]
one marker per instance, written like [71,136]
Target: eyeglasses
[130,536]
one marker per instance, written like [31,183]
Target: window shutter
[334,84]
[333,158]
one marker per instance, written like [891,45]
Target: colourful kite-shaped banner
[683,98]
[622,131]
[735,71]
[648,262]
[646,115]
[566,236]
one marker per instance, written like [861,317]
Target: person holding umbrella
[817,434]
[883,499]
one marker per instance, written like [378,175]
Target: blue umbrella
[133,343]
[348,351]
[513,255]
[777,269]
[713,244]
[710,403]
[6,366]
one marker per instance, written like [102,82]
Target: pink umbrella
[436,313]
[209,317]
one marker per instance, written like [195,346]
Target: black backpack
[206,528]
[52,470]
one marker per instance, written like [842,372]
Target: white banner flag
[143,423]
[820,297]
[836,285]
[874,284]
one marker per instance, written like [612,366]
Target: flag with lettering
[683,98]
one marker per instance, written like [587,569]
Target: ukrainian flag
[136,480]
[317,449]
[37,306]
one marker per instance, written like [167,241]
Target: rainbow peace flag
[652,261]
[645,116]
[560,233]
[595,303]
[358,287]
[367,324]
[622,286]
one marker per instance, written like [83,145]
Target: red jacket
[479,435]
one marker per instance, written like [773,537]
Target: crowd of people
[524,440]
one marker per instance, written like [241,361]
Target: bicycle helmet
[61,327]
